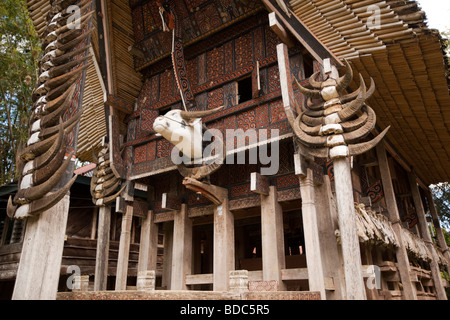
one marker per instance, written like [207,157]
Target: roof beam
[300,32]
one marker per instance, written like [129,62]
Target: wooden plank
[193,279]
[294,274]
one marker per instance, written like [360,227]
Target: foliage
[441,197]
[19,53]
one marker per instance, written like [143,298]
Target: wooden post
[102,255]
[148,247]
[437,227]
[224,260]
[354,282]
[420,211]
[40,262]
[404,268]
[94,222]
[182,249]
[327,223]
[311,234]
[272,234]
[124,249]
[167,255]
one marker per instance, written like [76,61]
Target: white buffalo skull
[184,130]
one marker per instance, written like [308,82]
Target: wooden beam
[311,234]
[182,249]
[279,30]
[102,253]
[314,46]
[259,184]
[124,249]
[170,202]
[394,217]
[437,226]
[223,256]
[272,242]
[420,212]
[40,263]
[287,92]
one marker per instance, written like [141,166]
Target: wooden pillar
[404,268]
[148,247]
[354,282]
[437,226]
[224,260]
[167,255]
[420,211]
[124,249]
[330,250]
[182,249]
[102,255]
[272,233]
[40,262]
[94,222]
[311,234]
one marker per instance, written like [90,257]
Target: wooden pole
[224,260]
[182,249]
[272,234]
[148,247]
[102,255]
[40,262]
[437,226]
[312,243]
[167,258]
[327,223]
[404,268]
[124,249]
[354,283]
[420,211]
[94,223]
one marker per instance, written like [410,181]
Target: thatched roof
[407,61]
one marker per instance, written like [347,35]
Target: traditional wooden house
[240,230]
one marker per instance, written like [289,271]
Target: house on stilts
[242,149]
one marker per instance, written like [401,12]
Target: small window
[244,90]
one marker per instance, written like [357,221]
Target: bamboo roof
[127,82]
[407,62]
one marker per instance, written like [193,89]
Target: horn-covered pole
[332,129]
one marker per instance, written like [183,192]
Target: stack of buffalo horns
[104,182]
[332,126]
[42,163]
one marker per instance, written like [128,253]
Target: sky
[438,13]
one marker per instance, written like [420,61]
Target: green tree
[19,55]
[441,197]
